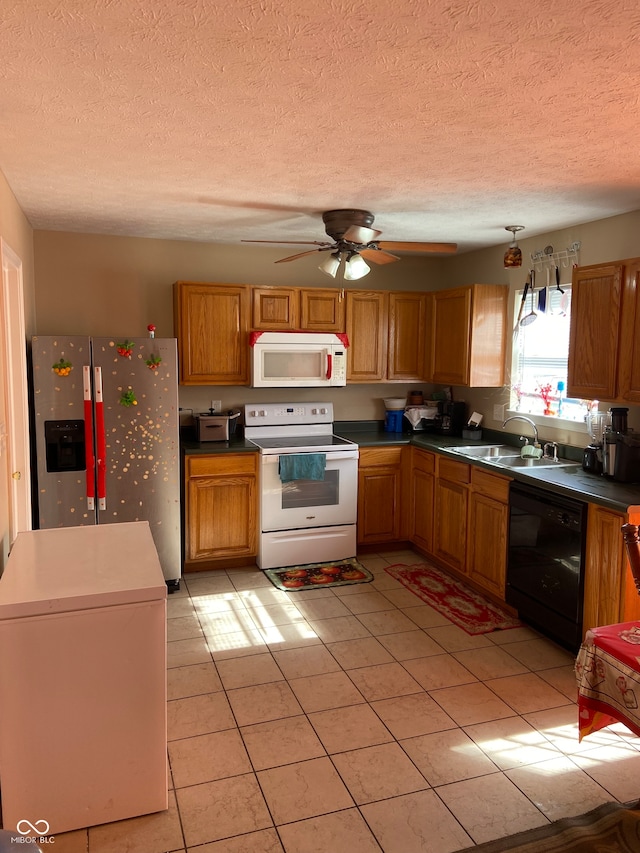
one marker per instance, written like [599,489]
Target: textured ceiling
[218,121]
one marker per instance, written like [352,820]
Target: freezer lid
[78,568]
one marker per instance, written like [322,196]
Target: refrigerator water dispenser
[64,442]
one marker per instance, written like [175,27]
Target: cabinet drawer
[424,461]
[457,472]
[222,464]
[491,485]
[380,456]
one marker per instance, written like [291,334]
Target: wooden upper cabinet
[212,326]
[407,316]
[322,310]
[467,336]
[596,298]
[367,324]
[276,308]
[629,351]
[449,339]
[294,308]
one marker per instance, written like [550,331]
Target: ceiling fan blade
[291,242]
[436,248]
[299,255]
[378,256]
[360,234]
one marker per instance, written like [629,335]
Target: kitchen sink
[507,456]
[529,462]
[487,451]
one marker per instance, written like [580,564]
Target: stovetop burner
[293,428]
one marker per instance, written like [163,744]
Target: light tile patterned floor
[360,719]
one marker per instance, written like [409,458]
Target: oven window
[292,365]
[310,493]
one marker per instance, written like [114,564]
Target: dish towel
[302,466]
[415,414]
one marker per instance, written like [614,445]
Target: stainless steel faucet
[529,421]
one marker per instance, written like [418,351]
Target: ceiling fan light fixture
[355,267]
[513,255]
[331,264]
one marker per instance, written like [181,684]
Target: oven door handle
[337,456]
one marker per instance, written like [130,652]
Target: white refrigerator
[106,434]
[83,737]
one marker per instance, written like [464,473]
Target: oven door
[310,503]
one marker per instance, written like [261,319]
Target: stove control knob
[323,411]
[314,411]
[262,413]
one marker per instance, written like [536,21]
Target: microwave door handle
[329,364]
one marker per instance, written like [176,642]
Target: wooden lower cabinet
[610,595]
[451,501]
[221,510]
[421,498]
[488,525]
[379,495]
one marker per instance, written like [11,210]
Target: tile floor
[358,718]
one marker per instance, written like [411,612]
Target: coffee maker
[451,417]
[613,432]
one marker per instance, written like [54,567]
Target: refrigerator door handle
[88,437]
[101,444]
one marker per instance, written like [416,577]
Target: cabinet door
[407,314]
[212,326]
[322,310]
[379,483]
[450,529]
[275,308]
[629,352]
[610,595]
[450,331]
[421,500]
[487,549]
[367,325]
[593,342]
[488,335]
[221,518]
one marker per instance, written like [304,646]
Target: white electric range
[308,504]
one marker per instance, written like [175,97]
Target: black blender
[592,457]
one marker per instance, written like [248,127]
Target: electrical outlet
[498,412]
[216,405]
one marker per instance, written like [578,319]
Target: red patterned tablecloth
[608,672]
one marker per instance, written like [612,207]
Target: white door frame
[17,403]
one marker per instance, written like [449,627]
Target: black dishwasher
[545,568]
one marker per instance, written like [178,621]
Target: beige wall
[16,232]
[91,284]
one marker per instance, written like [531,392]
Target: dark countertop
[571,481]
[234,445]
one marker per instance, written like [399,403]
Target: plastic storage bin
[393,420]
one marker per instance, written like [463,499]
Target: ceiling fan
[353,241]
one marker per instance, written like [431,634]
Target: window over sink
[540,357]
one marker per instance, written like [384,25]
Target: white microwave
[298,360]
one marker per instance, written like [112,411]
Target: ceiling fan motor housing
[336,222]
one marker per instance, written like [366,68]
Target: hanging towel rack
[546,258]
